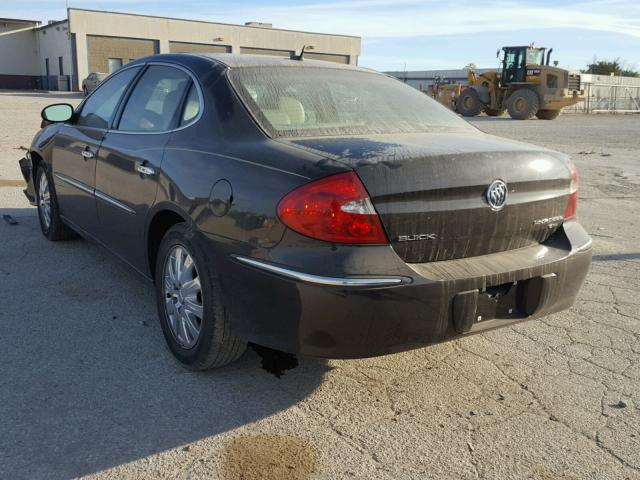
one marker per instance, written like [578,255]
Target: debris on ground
[10,220]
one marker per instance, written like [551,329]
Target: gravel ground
[89,388]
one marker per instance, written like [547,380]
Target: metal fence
[608,98]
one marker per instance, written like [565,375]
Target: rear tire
[523,104]
[52,226]
[468,103]
[190,304]
[547,114]
[491,112]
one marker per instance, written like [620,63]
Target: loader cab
[515,61]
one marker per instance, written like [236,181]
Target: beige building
[59,55]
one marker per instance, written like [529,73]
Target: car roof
[236,60]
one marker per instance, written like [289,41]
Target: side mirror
[497,53]
[56,113]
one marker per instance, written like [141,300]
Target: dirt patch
[11,183]
[268,457]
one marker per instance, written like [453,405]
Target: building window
[60,67]
[114,64]
[46,67]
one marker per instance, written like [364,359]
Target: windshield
[311,101]
[535,56]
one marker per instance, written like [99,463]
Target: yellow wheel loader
[527,86]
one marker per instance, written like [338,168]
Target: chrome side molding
[319,279]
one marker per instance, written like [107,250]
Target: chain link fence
[608,94]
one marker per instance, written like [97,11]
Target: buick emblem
[497,194]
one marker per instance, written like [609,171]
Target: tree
[608,67]
[470,66]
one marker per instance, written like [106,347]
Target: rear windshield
[315,101]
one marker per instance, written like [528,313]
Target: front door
[77,149]
[128,168]
[514,67]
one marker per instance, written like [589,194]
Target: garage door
[188,47]
[105,51]
[327,57]
[266,51]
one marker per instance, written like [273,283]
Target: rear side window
[98,110]
[155,100]
[191,106]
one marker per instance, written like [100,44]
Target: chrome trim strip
[112,201]
[318,279]
[75,183]
[95,193]
[586,246]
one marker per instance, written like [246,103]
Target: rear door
[131,154]
[76,151]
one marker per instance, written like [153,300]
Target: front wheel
[468,103]
[51,224]
[190,303]
[523,104]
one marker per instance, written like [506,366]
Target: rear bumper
[364,316]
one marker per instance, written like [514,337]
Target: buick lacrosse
[305,206]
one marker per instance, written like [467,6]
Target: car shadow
[87,382]
[616,257]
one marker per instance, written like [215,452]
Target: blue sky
[418,34]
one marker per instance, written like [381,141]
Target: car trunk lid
[430,190]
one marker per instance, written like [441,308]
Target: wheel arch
[160,220]
[36,160]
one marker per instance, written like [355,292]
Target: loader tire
[469,104]
[492,112]
[523,104]
[547,114]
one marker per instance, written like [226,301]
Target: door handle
[87,153]
[144,169]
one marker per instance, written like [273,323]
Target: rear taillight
[335,209]
[572,203]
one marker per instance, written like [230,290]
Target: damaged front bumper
[26,168]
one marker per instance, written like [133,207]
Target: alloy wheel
[183,296]
[44,200]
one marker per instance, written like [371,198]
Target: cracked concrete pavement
[89,388]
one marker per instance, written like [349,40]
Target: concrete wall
[18,58]
[10,24]
[54,42]
[167,30]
